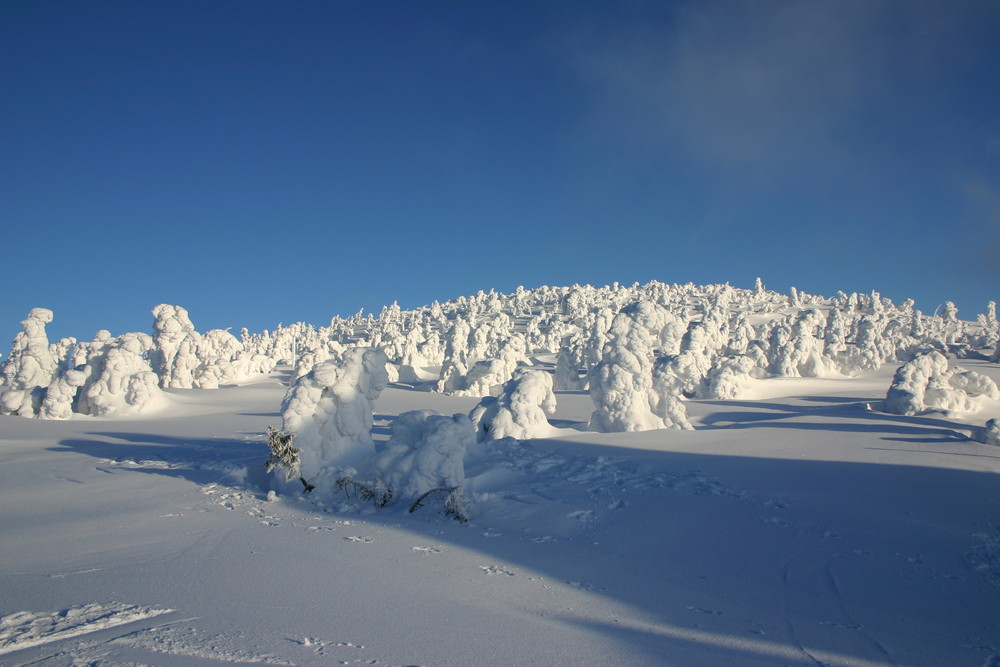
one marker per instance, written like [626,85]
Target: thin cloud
[775,83]
[984,200]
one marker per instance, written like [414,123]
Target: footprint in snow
[429,550]
[701,610]
[364,539]
[496,569]
[586,587]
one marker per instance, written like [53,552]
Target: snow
[798,523]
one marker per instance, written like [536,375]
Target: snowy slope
[796,527]
[797,523]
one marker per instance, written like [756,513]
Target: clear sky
[265,162]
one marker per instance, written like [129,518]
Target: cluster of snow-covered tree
[119,374]
[639,350]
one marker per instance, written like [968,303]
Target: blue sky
[265,162]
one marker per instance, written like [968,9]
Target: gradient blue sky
[258,162]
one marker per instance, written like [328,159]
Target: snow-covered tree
[126,383]
[927,383]
[425,451]
[729,377]
[30,367]
[171,325]
[486,378]
[519,411]
[329,410]
[621,385]
[667,403]
[60,395]
[567,378]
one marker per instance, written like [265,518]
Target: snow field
[798,523]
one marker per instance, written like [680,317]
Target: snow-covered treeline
[639,350]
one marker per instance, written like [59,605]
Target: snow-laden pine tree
[426,451]
[519,411]
[126,383]
[30,367]
[486,378]
[927,383]
[329,411]
[171,325]
[567,377]
[621,384]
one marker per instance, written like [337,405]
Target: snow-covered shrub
[329,410]
[29,368]
[927,383]
[519,411]
[425,451]
[248,364]
[452,377]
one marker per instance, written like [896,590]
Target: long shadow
[693,555]
[201,461]
[661,547]
[852,416]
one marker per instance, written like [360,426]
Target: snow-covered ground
[800,525]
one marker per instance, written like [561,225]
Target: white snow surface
[800,528]
[799,523]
